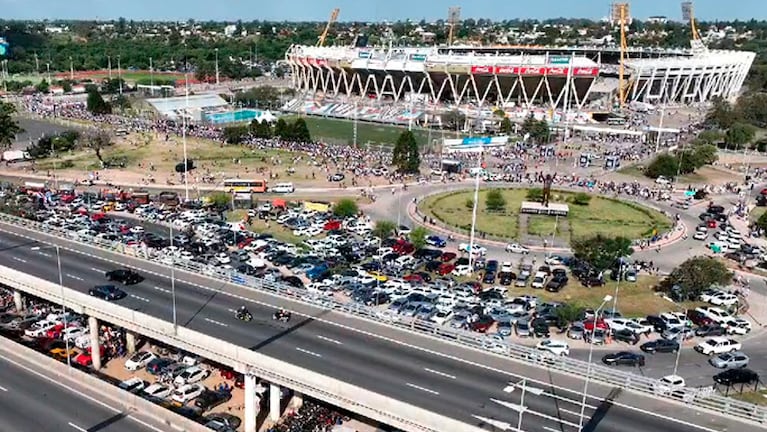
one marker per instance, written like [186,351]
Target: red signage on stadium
[533,70]
[316,62]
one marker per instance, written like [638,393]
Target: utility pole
[217,77]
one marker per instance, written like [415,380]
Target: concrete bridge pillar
[93,326]
[130,342]
[18,301]
[275,399]
[297,401]
[251,403]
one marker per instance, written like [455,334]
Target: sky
[364,10]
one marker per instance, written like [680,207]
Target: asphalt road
[30,403]
[446,385]
[34,130]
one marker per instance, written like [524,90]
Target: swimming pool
[242,115]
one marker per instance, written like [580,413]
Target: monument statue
[547,181]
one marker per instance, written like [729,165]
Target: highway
[462,384]
[31,403]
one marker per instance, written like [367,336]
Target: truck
[15,156]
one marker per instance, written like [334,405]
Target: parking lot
[441,283]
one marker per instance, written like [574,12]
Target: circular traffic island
[518,215]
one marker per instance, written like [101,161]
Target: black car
[209,399]
[736,376]
[293,281]
[491,266]
[221,422]
[554,285]
[710,330]
[107,292]
[658,324]
[337,177]
[627,336]
[623,358]
[489,278]
[660,346]
[507,278]
[123,276]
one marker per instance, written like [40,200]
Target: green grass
[756,212]
[632,170]
[758,397]
[602,216]
[370,134]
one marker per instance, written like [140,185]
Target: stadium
[397,85]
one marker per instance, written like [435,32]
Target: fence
[609,376]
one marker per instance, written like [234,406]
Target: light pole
[109,66]
[71,69]
[120,75]
[680,340]
[63,303]
[660,130]
[617,285]
[474,217]
[591,352]
[173,280]
[183,127]
[217,80]
[151,76]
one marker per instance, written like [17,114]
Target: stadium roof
[173,106]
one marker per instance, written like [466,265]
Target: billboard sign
[474,143]
[559,60]
[534,70]
[3,47]
[418,57]
[364,54]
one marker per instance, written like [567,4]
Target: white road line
[47,255]
[571,412]
[424,389]
[74,277]
[19,259]
[78,427]
[442,374]
[140,298]
[3,388]
[161,289]
[311,353]
[327,339]
[550,429]
[218,323]
[97,270]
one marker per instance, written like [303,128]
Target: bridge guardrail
[603,374]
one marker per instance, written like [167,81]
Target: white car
[72,333]
[507,267]
[723,299]
[555,347]
[738,326]
[223,258]
[441,317]
[700,235]
[188,392]
[717,345]
[706,295]
[139,360]
[461,270]
[716,314]
[517,248]
[133,385]
[157,390]
[662,180]
[539,280]
[191,375]
[668,384]
[476,250]
[40,329]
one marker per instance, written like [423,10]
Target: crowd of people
[311,417]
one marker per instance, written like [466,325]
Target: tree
[506,126]
[98,141]
[42,86]
[345,208]
[96,104]
[762,221]
[494,201]
[569,312]
[9,126]
[740,134]
[220,200]
[300,131]
[281,129]
[695,275]
[664,165]
[710,136]
[383,229]
[235,134]
[260,129]
[721,115]
[405,155]
[600,251]
[122,102]
[418,237]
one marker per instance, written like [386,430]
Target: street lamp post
[472,250]
[617,285]
[680,340]
[173,281]
[71,69]
[120,75]
[588,371]
[63,302]
[217,80]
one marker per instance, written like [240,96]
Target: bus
[245,186]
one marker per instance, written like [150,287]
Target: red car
[711,223]
[445,269]
[588,325]
[482,325]
[246,241]
[332,225]
[448,256]
[85,359]
[413,278]
[403,247]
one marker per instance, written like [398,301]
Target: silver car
[730,360]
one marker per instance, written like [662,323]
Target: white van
[283,188]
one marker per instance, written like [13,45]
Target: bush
[535,194]
[495,202]
[582,199]
[345,208]
[663,165]
[469,204]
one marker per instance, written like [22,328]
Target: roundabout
[586,215]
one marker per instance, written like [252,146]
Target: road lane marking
[424,389]
[327,339]
[140,298]
[19,259]
[74,277]
[78,427]
[45,254]
[161,289]
[97,270]
[571,412]
[550,429]
[218,323]
[442,374]
[311,353]
[3,388]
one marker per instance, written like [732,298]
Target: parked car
[736,376]
[730,360]
[138,360]
[624,358]
[191,375]
[660,346]
[187,392]
[209,399]
[717,345]
[157,390]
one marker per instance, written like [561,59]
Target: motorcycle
[244,316]
[281,317]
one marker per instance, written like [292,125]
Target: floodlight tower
[620,16]
[333,18]
[453,20]
[688,14]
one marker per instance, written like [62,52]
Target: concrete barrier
[116,397]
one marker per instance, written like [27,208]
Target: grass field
[340,131]
[601,216]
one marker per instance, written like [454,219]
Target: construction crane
[689,15]
[453,19]
[331,21]
[620,16]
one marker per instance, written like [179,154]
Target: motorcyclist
[242,312]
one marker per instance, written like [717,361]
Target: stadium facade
[555,78]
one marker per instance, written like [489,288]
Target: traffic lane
[410,341]
[31,403]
